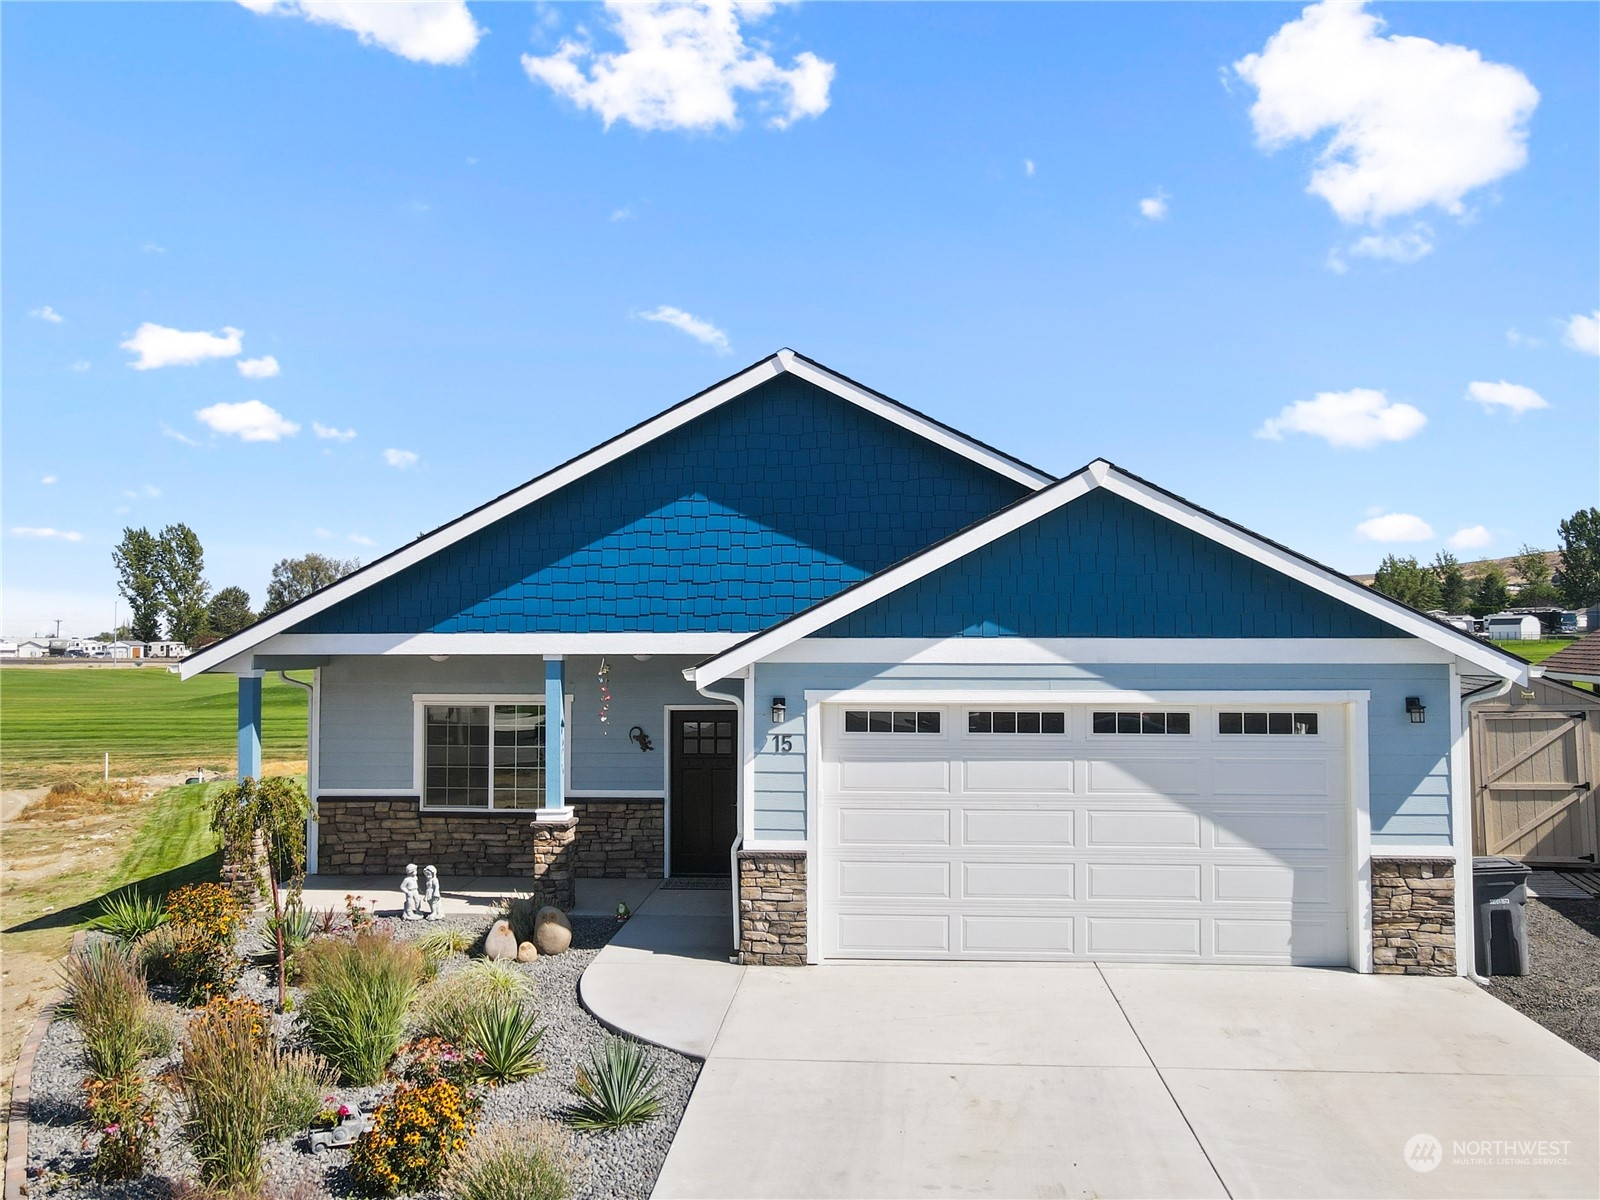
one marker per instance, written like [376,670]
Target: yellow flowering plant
[414,1135]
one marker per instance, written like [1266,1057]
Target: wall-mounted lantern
[780,709]
[1416,710]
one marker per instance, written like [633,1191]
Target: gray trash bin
[1500,894]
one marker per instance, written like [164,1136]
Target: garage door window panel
[1267,724]
[1121,722]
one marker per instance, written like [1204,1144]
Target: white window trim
[420,701]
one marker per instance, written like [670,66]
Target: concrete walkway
[885,1079]
[665,977]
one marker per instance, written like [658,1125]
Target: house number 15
[782,743]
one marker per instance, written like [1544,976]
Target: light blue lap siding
[1104,567]
[738,519]
[1408,765]
[367,715]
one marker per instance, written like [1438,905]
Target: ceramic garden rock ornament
[430,893]
[552,932]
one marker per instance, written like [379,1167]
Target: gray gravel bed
[1563,992]
[619,1165]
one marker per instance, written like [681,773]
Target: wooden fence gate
[1534,787]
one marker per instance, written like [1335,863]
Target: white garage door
[1178,833]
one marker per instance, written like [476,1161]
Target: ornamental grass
[414,1136]
[451,1005]
[106,996]
[523,1160]
[356,997]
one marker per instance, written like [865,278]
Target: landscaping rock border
[16,1178]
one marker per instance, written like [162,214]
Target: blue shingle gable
[1102,566]
[732,522]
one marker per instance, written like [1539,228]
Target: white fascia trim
[769,846]
[1056,694]
[679,415]
[1569,676]
[1068,651]
[534,645]
[1101,473]
[1391,851]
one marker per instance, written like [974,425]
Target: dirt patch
[1563,992]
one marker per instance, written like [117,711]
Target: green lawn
[57,721]
[1537,652]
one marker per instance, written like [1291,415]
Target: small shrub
[122,1126]
[506,1036]
[294,1098]
[227,1072]
[438,945]
[528,1160]
[106,996]
[414,1136]
[357,913]
[451,1005]
[199,959]
[355,1002]
[616,1087]
[129,915]
[426,1059]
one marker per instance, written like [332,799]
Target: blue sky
[1343,292]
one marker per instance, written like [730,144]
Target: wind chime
[604,676]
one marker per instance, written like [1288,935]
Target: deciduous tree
[180,567]
[139,580]
[295,578]
[1403,579]
[1579,578]
[1534,567]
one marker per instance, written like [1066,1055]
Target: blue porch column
[250,726]
[555,733]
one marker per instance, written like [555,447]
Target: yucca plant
[296,924]
[616,1087]
[507,1035]
[128,915]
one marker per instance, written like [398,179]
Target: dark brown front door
[705,790]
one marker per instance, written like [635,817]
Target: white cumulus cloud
[1472,537]
[682,66]
[248,420]
[700,330]
[159,346]
[1415,243]
[264,367]
[1028,167]
[80,366]
[332,432]
[48,479]
[1411,123]
[442,32]
[46,313]
[1154,208]
[1358,419]
[362,539]
[1583,333]
[1395,527]
[401,459]
[44,531]
[1510,396]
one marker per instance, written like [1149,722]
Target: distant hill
[1476,570]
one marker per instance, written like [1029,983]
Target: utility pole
[58,629]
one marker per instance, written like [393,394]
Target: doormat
[695,883]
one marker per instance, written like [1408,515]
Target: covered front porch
[544,769]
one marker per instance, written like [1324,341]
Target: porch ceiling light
[1416,710]
[780,709]
[438,657]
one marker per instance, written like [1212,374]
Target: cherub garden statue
[410,895]
[430,893]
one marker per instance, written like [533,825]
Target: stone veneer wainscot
[1413,916]
[772,907]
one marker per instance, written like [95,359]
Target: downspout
[1466,909]
[311,758]
[746,764]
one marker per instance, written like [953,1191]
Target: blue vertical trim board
[1102,566]
[730,523]
[555,731]
[249,726]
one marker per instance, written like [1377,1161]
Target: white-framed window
[481,753]
[1142,722]
[1267,724]
[883,720]
[986,720]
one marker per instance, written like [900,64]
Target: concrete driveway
[880,1080]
